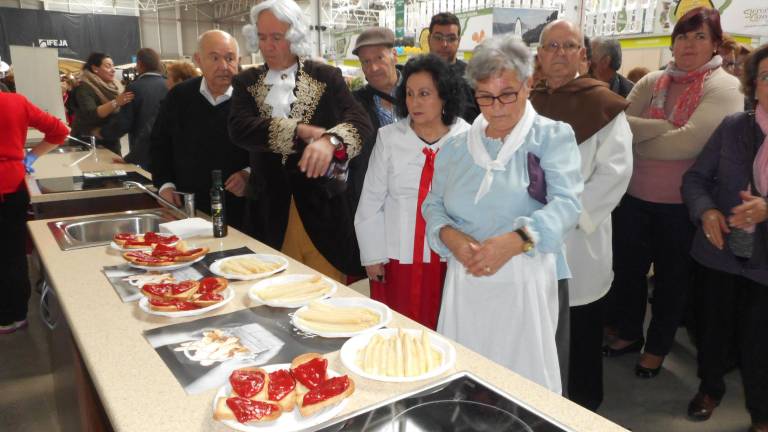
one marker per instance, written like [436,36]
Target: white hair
[498,54]
[288,12]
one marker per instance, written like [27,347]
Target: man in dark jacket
[444,39]
[605,64]
[137,118]
[190,139]
[378,59]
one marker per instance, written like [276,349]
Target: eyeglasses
[505,98]
[439,38]
[568,47]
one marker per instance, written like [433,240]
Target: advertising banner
[72,35]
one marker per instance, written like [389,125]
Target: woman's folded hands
[481,259]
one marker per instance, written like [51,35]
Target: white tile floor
[657,405]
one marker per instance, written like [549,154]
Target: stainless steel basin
[92,231]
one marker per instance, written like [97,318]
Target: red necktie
[418,239]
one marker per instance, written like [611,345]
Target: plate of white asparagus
[292,291]
[249,266]
[398,355]
[341,316]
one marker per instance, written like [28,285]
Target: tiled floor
[657,405]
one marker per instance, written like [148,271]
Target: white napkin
[186,228]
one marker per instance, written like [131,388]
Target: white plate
[117,247]
[228,295]
[351,347]
[216,266]
[169,267]
[253,292]
[385,314]
[288,421]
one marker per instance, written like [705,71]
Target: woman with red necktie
[405,273]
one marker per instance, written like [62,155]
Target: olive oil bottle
[218,205]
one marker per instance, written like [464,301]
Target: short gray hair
[610,47]
[498,54]
[288,12]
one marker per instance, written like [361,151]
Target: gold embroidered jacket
[322,99]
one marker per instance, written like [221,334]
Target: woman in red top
[16,115]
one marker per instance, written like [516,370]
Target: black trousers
[15,291]
[585,375]
[646,233]
[730,307]
[563,332]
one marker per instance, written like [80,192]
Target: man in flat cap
[378,59]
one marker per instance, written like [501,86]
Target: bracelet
[114,103]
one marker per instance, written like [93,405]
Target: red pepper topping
[182,287]
[326,390]
[247,410]
[311,373]
[208,285]
[281,383]
[247,383]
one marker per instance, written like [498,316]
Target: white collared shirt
[209,96]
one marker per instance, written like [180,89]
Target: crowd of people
[514,203]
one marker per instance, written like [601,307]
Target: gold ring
[708,236]
[487,269]
[749,219]
[712,218]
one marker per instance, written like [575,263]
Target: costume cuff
[349,136]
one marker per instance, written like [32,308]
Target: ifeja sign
[52,43]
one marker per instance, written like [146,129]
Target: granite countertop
[139,392]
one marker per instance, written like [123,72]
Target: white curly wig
[288,12]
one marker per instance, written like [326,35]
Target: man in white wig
[302,126]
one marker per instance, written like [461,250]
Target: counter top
[139,392]
[54,165]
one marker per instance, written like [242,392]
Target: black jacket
[323,100]
[620,85]
[471,109]
[137,118]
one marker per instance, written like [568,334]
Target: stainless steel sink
[92,231]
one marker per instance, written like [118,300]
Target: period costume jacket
[324,205]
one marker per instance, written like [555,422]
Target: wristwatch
[527,241]
[335,141]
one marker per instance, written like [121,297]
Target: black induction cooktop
[78,183]
[461,402]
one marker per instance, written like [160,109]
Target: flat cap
[374,36]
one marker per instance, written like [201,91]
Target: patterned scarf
[760,165]
[688,101]
[106,91]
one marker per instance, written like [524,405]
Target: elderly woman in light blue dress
[503,197]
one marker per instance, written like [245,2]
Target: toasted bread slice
[212,285]
[343,384]
[191,254]
[183,290]
[244,384]
[303,384]
[207,299]
[144,259]
[282,389]
[156,291]
[224,411]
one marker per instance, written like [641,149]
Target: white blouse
[386,215]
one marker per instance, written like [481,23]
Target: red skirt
[423,306]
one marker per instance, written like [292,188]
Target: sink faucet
[188,199]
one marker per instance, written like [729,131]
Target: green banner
[399,18]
